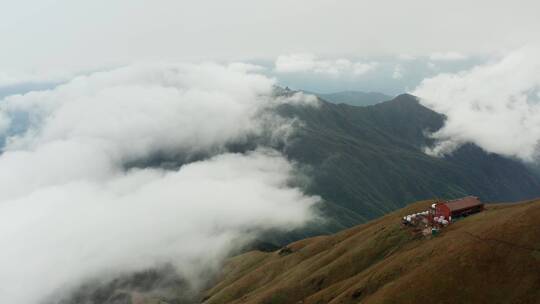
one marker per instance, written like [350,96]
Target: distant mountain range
[490,257]
[353,98]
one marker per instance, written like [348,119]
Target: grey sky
[57,34]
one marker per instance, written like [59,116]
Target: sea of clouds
[72,208]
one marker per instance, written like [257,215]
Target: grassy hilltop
[491,257]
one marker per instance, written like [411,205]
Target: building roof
[463,203]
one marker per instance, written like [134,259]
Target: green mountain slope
[368,161]
[490,257]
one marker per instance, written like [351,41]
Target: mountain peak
[406,96]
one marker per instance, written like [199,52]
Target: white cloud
[447,56]
[406,57]
[295,63]
[14,78]
[432,66]
[495,106]
[5,121]
[305,63]
[360,68]
[398,72]
[69,210]
[66,34]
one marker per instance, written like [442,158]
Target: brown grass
[491,257]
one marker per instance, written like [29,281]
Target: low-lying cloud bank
[495,106]
[309,63]
[70,210]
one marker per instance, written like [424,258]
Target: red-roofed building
[459,207]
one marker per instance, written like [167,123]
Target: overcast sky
[89,34]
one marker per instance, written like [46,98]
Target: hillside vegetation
[368,161]
[490,257]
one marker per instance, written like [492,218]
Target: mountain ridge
[353,98]
[368,161]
